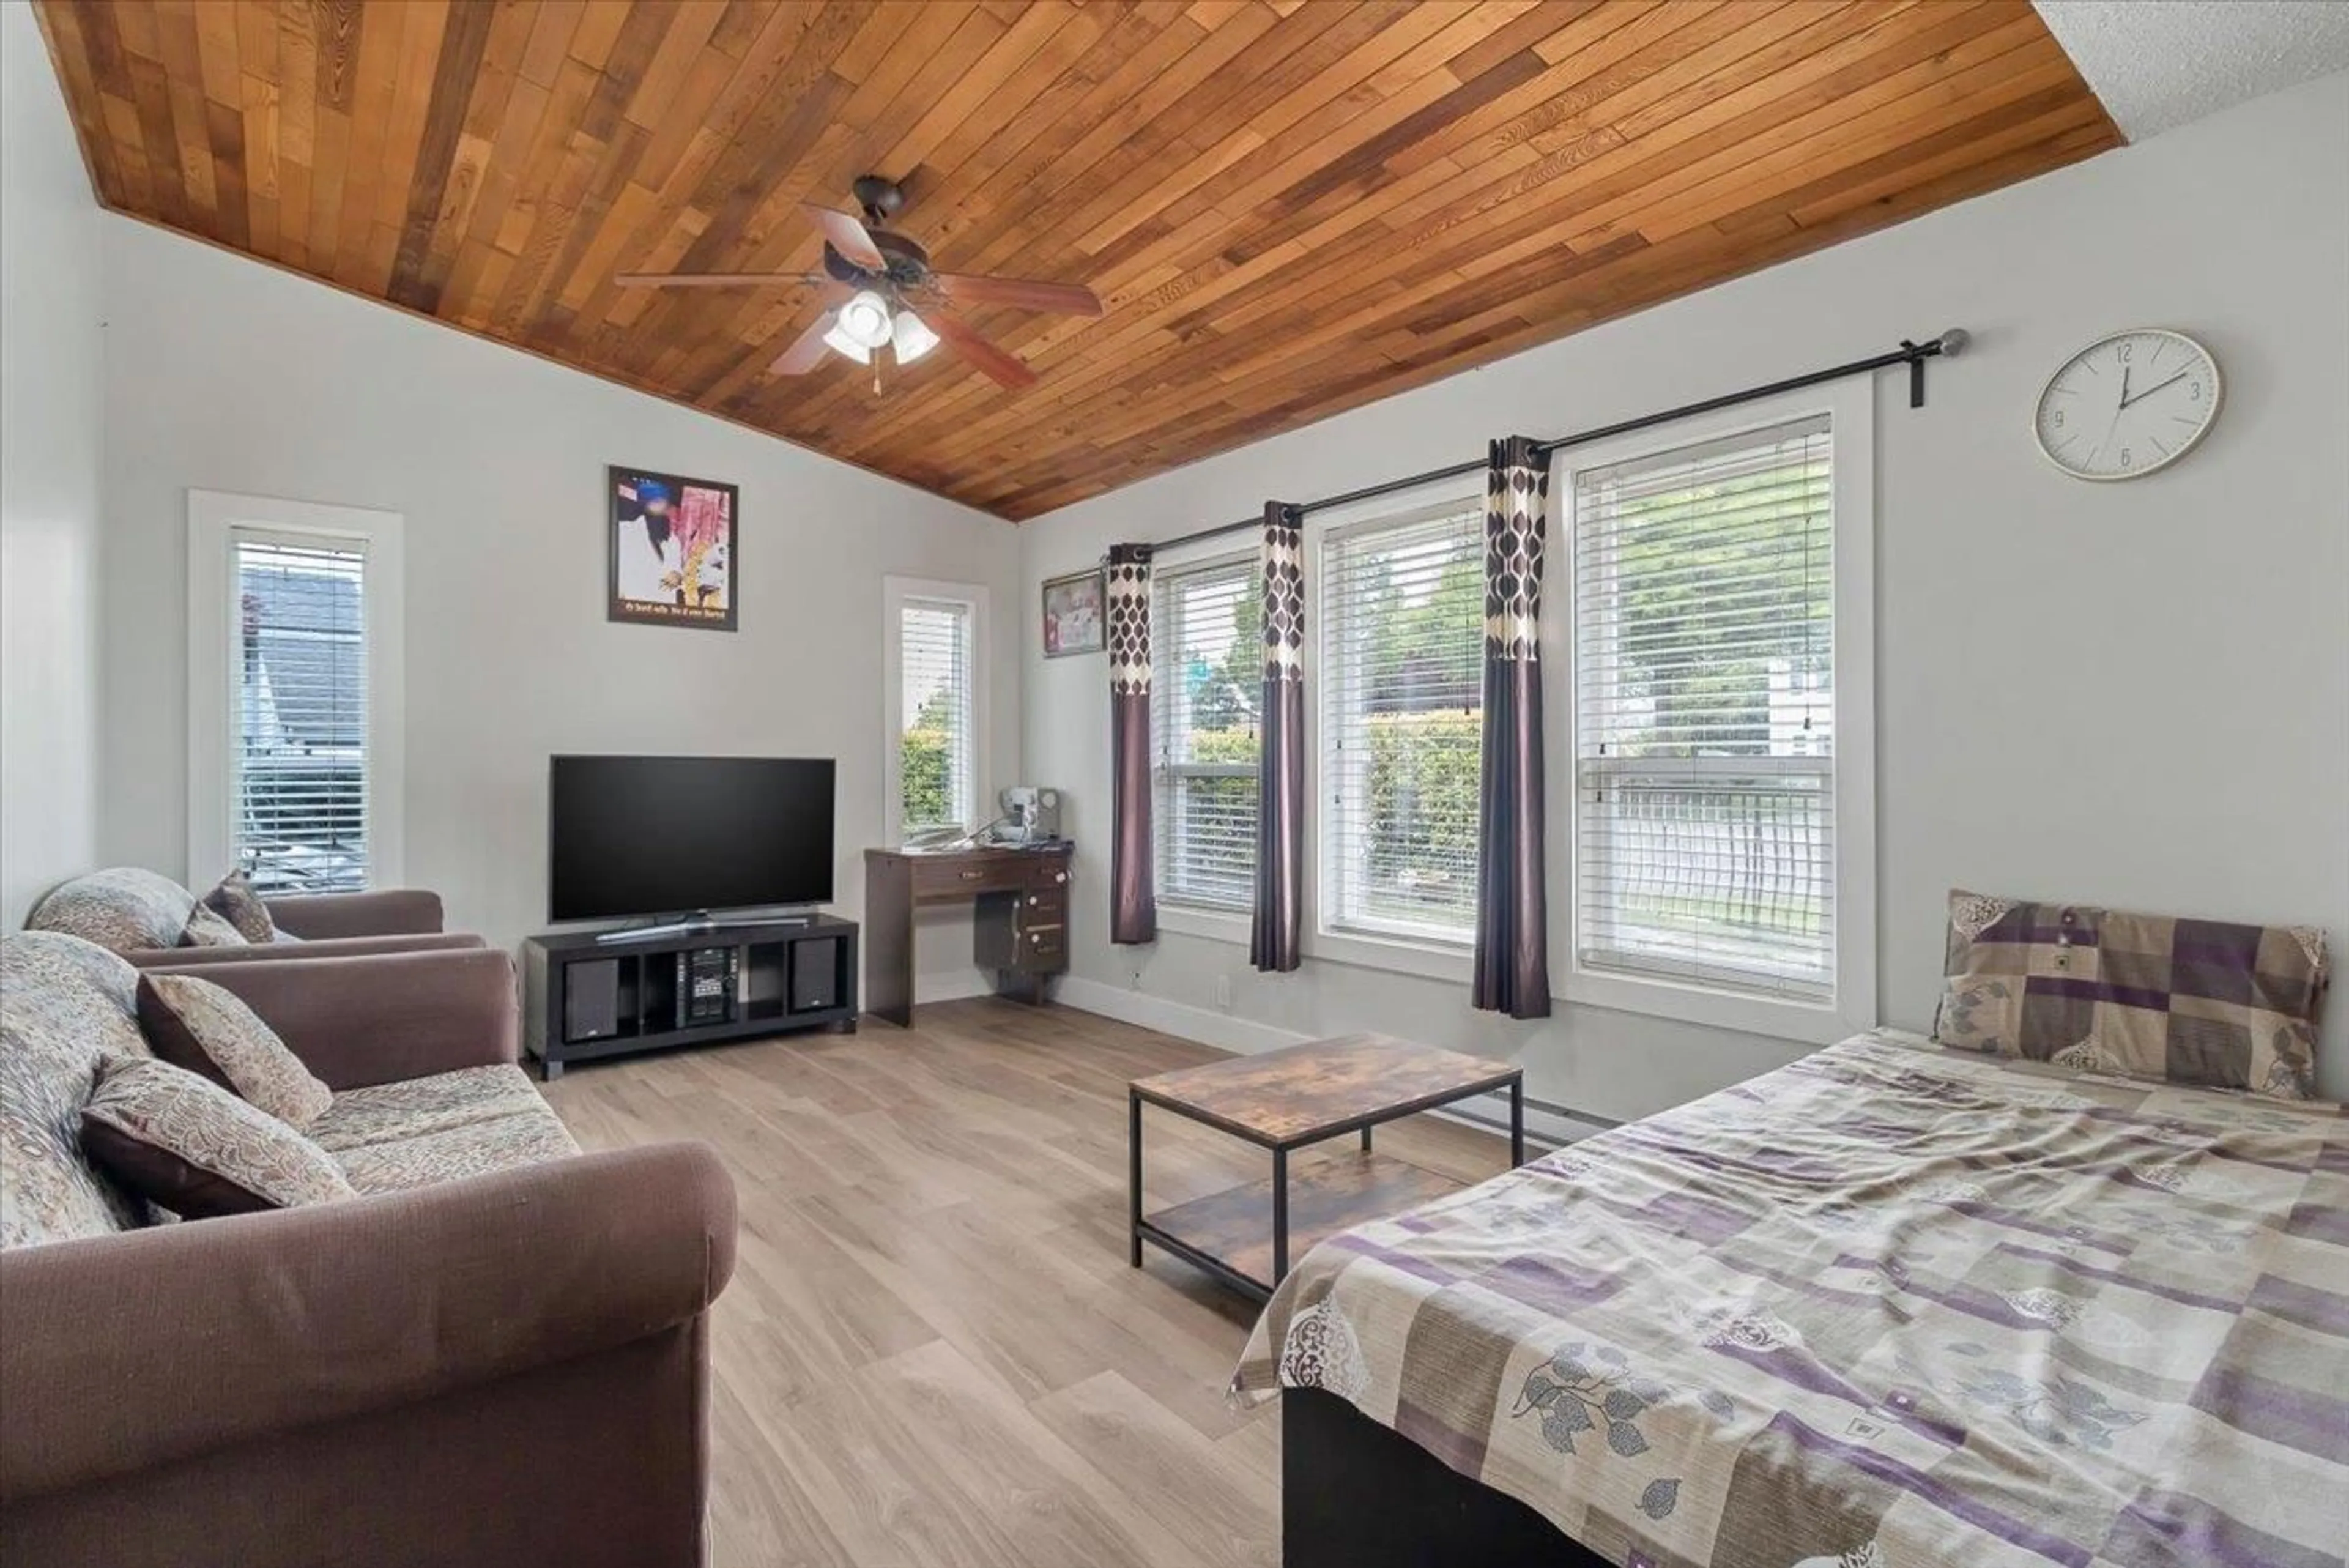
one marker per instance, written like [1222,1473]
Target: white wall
[50,360]
[2133,694]
[224,374]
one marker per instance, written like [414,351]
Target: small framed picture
[673,549]
[1073,614]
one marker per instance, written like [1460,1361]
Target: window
[1402,676]
[294,693]
[1205,685]
[299,663]
[935,726]
[1706,727]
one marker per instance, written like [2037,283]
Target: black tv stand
[593,994]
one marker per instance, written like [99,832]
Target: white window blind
[1704,733]
[1206,683]
[934,770]
[1402,639]
[299,664]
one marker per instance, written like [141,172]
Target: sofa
[143,916]
[394,1379]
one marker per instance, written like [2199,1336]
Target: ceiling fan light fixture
[913,337]
[840,342]
[864,321]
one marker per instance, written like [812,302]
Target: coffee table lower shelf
[1229,1233]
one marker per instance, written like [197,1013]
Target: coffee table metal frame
[1281,1148]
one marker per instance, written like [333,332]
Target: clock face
[2128,404]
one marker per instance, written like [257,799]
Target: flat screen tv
[633,836]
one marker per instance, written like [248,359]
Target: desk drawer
[1043,950]
[1024,936]
[1047,927]
[1041,907]
[957,877]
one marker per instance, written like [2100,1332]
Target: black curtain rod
[1912,355]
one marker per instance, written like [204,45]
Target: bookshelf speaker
[815,975]
[591,1000]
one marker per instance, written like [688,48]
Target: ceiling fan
[885,277]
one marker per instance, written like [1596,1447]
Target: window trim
[1452,962]
[213,519]
[1189,917]
[895,592]
[1429,954]
[1850,409]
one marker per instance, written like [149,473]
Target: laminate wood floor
[934,1353]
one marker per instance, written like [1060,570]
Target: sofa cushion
[387,1113]
[122,909]
[234,899]
[474,1148]
[2204,1003]
[207,929]
[189,1145]
[64,1004]
[207,1029]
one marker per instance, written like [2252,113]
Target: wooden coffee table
[1282,1101]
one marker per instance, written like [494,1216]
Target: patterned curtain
[1273,940]
[1512,899]
[1133,889]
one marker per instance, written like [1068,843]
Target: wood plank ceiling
[1289,208]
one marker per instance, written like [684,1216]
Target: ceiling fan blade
[1065,298]
[848,236]
[712,279]
[998,366]
[806,350]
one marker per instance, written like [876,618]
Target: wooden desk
[1020,926]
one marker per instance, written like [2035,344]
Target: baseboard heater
[1497,1119]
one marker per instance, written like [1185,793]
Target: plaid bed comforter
[1889,1307]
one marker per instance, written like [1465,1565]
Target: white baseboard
[1248,1037]
[1205,1025]
[951,985]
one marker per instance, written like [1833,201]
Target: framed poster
[673,549]
[1073,620]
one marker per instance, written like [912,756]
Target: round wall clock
[2127,404]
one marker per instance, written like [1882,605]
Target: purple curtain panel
[1133,888]
[1511,896]
[1274,936]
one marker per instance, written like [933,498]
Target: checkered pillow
[2143,996]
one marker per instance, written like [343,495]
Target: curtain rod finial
[1953,342]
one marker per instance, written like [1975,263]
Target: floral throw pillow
[235,901]
[186,1146]
[208,1030]
[206,928]
[2159,997]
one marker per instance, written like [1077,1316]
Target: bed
[1892,1306]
